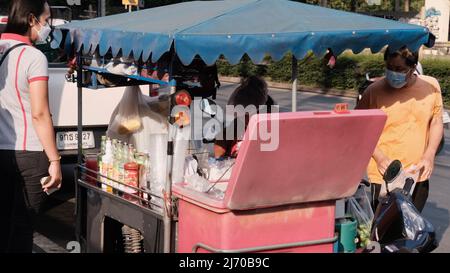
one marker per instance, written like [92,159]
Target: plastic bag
[122,66]
[152,123]
[358,207]
[399,226]
[127,119]
[220,169]
[190,166]
[200,184]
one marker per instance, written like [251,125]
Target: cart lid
[320,156]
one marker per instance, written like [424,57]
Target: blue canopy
[236,27]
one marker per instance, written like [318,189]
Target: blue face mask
[396,79]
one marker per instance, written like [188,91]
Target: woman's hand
[55,174]
[382,164]
[425,167]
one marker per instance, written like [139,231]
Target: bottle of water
[117,163]
[100,155]
[107,166]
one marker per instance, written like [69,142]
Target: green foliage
[440,69]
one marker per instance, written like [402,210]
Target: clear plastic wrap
[127,120]
[358,207]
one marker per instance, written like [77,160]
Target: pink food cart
[282,200]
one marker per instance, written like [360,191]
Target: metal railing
[140,197]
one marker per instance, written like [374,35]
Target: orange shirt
[409,113]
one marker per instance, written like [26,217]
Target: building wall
[437,18]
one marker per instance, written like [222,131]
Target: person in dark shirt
[251,92]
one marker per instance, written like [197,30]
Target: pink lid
[320,156]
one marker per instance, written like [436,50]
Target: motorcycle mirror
[392,171]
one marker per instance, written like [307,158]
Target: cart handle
[265,248]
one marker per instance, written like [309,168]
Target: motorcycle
[398,227]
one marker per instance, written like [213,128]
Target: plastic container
[158,168]
[107,167]
[91,164]
[181,145]
[346,227]
[131,179]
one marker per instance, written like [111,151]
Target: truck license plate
[69,140]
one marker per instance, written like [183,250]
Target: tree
[407,5]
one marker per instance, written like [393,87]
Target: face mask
[43,32]
[396,79]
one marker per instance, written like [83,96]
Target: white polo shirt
[22,66]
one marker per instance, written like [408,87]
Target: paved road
[56,228]
[438,206]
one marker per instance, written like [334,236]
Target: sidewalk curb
[288,86]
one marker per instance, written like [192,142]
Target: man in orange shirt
[414,125]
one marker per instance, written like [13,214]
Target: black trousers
[21,198]
[419,197]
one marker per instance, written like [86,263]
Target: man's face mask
[396,79]
[43,32]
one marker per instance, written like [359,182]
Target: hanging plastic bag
[358,207]
[127,119]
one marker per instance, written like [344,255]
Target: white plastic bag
[152,123]
[127,119]
[122,66]
[190,166]
[220,170]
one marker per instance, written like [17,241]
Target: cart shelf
[91,179]
[106,211]
[101,70]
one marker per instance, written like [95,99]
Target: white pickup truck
[98,105]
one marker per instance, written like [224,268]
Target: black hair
[411,58]
[19,13]
[252,91]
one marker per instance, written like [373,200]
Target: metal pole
[168,187]
[101,8]
[78,206]
[80,107]
[294,83]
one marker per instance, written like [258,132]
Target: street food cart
[286,196]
